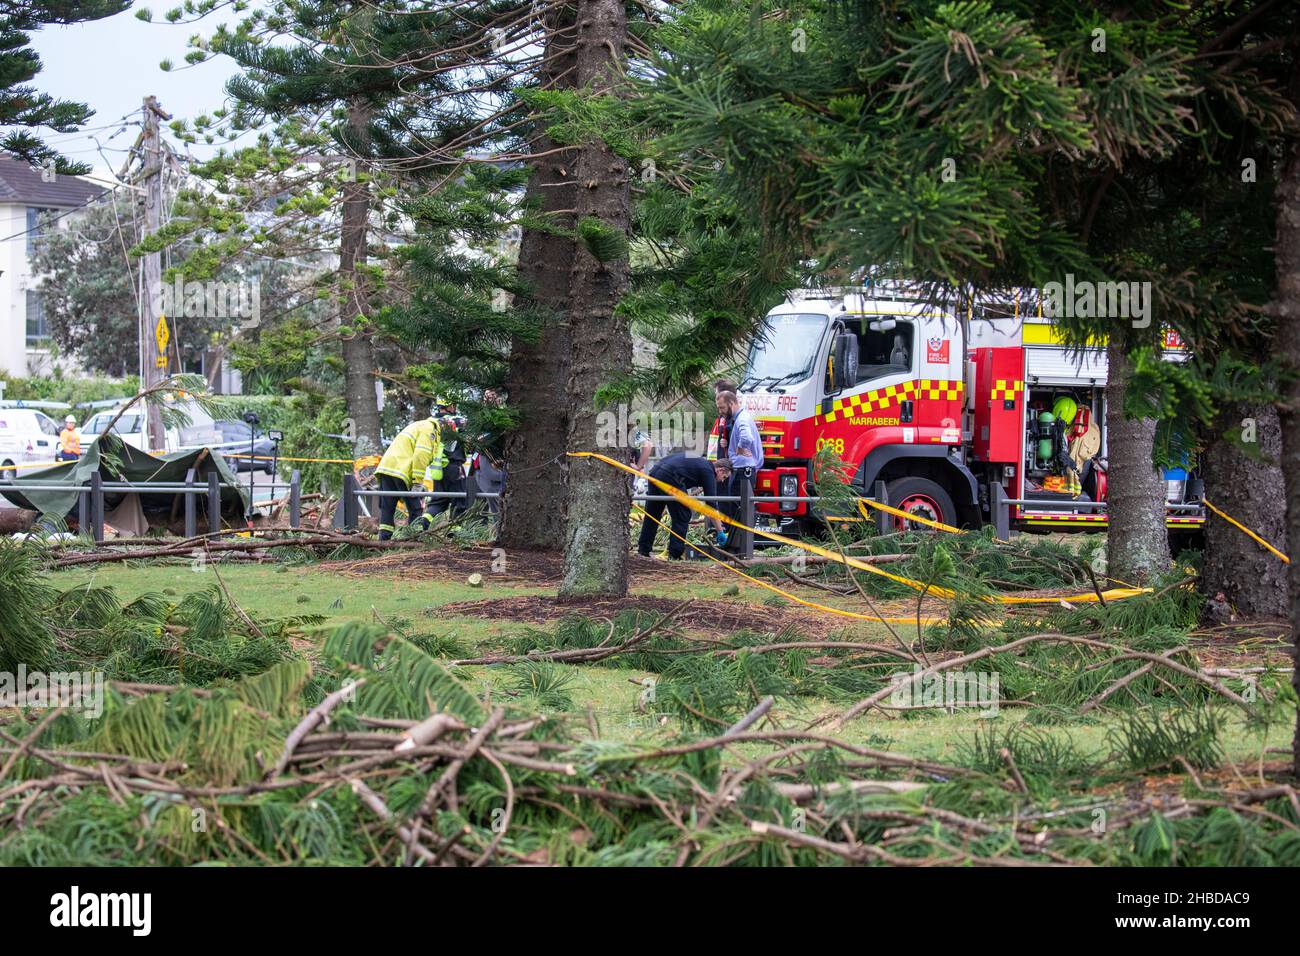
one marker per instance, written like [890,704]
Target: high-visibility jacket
[411,451]
[69,443]
[721,426]
[448,454]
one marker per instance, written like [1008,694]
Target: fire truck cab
[938,406]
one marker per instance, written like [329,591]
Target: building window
[38,330]
[36,224]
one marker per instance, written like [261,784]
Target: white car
[132,428]
[26,435]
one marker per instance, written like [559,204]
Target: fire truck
[939,404]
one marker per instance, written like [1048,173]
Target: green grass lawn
[610,693]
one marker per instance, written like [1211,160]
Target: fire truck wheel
[924,498]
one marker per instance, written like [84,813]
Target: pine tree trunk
[358,357]
[596,526]
[539,369]
[1250,578]
[1286,311]
[1137,541]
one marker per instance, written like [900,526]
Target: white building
[25,195]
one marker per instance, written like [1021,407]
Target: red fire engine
[937,405]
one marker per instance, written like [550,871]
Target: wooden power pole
[154,327]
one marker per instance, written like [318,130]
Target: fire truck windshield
[785,349]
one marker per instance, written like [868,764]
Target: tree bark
[1286,312]
[1137,543]
[358,356]
[539,368]
[1251,578]
[596,525]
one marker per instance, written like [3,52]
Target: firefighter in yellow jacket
[413,451]
[69,441]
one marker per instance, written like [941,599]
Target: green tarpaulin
[134,466]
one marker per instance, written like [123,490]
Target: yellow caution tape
[865,503]
[784,593]
[1237,524]
[708,511]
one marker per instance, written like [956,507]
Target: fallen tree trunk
[187,548]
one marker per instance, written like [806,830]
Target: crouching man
[685,472]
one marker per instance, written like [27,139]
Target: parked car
[26,435]
[132,428]
[235,438]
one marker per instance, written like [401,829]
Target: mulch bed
[722,617]
[541,568]
[1246,645]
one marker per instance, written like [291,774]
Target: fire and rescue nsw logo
[936,349]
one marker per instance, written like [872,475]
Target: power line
[123,119]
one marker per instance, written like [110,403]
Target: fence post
[97,506]
[295,499]
[83,509]
[884,521]
[1001,511]
[191,505]
[350,490]
[746,518]
[214,502]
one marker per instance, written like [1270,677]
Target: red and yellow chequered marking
[772,433]
[853,406]
[1005,390]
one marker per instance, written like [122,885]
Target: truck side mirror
[845,366]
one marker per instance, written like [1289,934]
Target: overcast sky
[112,65]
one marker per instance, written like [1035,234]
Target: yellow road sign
[162,335]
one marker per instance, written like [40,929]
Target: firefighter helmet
[1065,408]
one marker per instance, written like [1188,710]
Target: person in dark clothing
[453,474]
[415,516]
[685,472]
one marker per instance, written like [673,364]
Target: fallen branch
[185,547]
[314,718]
[1022,642]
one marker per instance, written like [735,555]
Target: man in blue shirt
[685,472]
[744,446]
[744,443]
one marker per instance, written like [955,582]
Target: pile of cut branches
[248,773]
[219,742]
